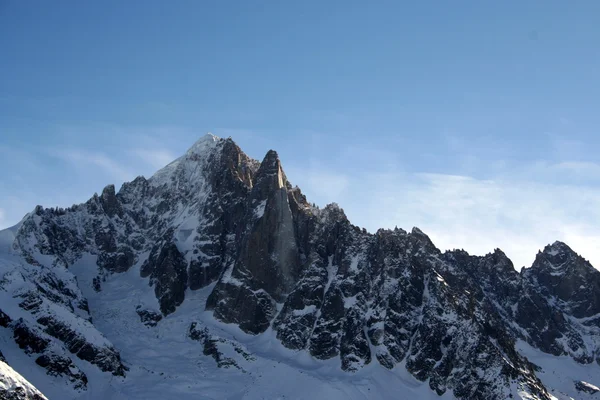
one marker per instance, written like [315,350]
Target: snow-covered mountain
[216,278]
[14,387]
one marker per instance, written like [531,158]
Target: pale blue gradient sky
[477,121]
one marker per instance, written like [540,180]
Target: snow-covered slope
[216,278]
[14,387]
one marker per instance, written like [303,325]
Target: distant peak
[270,170]
[558,243]
[333,212]
[559,257]
[205,142]
[422,238]
[271,156]
[199,151]
[109,190]
[271,163]
[556,248]
[417,231]
[210,136]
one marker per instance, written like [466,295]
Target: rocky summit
[216,278]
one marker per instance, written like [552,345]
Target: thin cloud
[324,186]
[84,159]
[156,158]
[477,215]
[581,169]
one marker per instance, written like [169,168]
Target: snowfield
[165,363]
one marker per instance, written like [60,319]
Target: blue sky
[476,121]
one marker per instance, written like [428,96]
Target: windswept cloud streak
[325,186]
[477,215]
[518,217]
[80,158]
[54,175]
[156,158]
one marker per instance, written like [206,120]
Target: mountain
[14,387]
[216,278]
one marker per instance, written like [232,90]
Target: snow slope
[14,387]
[164,362]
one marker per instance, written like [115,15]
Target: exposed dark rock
[18,394]
[202,274]
[586,387]
[56,365]
[28,339]
[4,319]
[106,358]
[167,270]
[148,317]
[96,284]
[569,277]
[211,347]
[120,260]
[268,263]
[110,203]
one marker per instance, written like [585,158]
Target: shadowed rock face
[269,259]
[569,277]
[323,285]
[167,270]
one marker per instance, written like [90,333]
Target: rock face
[267,262]
[586,387]
[48,319]
[319,283]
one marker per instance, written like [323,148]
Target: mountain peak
[270,170]
[271,158]
[217,219]
[199,151]
[559,259]
[556,248]
[204,144]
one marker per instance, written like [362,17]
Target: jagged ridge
[322,284]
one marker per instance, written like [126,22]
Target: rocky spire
[563,273]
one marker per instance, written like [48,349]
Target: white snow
[11,380]
[350,302]
[228,278]
[306,310]
[259,211]
[198,152]
[165,363]
[559,374]
[354,263]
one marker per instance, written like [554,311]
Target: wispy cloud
[324,186]
[156,158]
[517,207]
[77,164]
[81,158]
[519,216]
[582,169]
